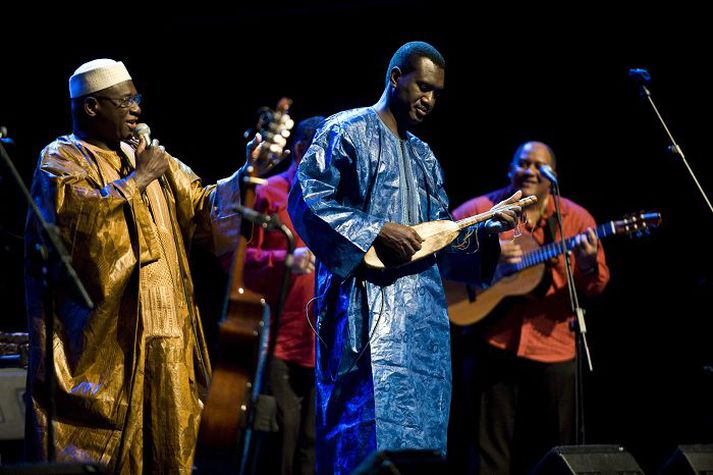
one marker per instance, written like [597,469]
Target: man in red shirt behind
[524,368]
[292,369]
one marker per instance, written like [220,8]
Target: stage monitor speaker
[52,469]
[587,460]
[402,462]
[12,406]
[689,460]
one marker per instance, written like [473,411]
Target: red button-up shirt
[264,269]
[538,327]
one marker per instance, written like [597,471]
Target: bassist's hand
[252,153]
[259,158]
[396,243]
[302,261]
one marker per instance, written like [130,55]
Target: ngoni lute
[438,234]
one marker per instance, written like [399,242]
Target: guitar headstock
[274,127]
[637,224]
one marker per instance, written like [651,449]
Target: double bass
[224,437]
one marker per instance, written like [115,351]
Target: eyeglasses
[123,102]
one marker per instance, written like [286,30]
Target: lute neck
[478,218]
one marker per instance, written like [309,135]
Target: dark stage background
[511,76]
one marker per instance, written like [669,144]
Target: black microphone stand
[267,222]
[641,77]
[578,326]
[48,234]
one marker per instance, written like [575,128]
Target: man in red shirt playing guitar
[524,370]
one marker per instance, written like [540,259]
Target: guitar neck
[237,282]
[555,249]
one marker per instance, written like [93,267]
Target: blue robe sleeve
[326,204]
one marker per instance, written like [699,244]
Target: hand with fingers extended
[302,261]
[396,243]
[259,158]
[507,217]
[151,162]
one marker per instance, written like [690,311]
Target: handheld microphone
[547,171]
[143,130]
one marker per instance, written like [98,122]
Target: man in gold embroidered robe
[129,371]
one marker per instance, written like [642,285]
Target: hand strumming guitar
[510,252]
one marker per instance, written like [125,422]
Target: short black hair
[306,128]
[406,56]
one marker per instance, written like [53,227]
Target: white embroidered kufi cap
[96,75]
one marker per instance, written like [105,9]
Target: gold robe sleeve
[105,226]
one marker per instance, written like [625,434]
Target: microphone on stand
[3,136]
[547,171]
[641,77]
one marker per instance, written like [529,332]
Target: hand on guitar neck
[586,245]
[254,153]
[267,148]
[522,266]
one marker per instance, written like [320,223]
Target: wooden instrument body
[235,384]
[466,306]
[440,233]
[224,434]
[436,235]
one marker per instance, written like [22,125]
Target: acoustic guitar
[467,305]
[225,427]
[438,234]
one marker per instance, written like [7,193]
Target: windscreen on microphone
[143,130]
[640,75]
[547,172]
[3,136]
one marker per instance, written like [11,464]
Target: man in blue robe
[383,371]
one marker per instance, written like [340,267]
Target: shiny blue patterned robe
[383,371]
